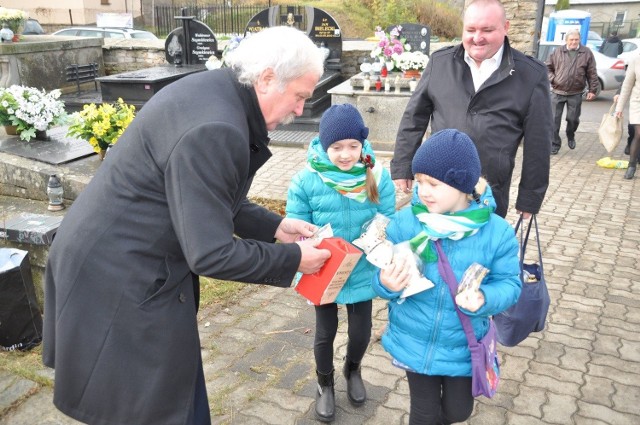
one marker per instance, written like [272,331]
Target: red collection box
[323,286]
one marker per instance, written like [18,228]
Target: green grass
[25,364]
[214,291]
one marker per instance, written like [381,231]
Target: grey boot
[325,398]
[355,387]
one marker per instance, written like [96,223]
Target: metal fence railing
[222,18]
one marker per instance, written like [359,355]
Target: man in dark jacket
[493,93]
[170,203]
[571,68]
[612,46]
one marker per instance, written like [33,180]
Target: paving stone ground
[583,369]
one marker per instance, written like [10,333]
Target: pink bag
[485,370]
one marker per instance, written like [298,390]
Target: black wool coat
[511,106]
[121,280]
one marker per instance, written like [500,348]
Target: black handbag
[529,314]
[20,317]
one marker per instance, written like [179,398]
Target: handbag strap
[523,243]
[447,274]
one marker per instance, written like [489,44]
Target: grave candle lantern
[55,193]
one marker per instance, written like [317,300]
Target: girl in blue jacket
[424,335]
[343,185]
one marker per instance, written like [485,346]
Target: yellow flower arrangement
[14,18]
[101,125]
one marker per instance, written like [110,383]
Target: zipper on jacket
[428,359]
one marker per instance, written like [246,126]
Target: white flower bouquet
[411,61]
[30,110]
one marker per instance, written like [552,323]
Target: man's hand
[396,277]
[312,258]
[525,215]
[292,230]
[591,96]
[403,185]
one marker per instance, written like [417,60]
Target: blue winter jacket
[310,199]
[424,331]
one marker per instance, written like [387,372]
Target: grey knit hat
[451,157]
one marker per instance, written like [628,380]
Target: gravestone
[192,43]
[59,149]
[187,49]
[137,87]
[416,35]
[325,33]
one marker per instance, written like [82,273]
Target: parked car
[32,27]
[629,48]
[610,70]
[106,33]
[594,40]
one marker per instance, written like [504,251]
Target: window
[619,18]
[104,2]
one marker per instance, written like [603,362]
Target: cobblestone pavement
[584,368]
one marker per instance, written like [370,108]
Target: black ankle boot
[355,387]
[631,171]
[325,398]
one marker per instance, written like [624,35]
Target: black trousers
[574,109]
[200,414]
[359,331]
[439,400]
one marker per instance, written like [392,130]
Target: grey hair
[287,51]
[574,31]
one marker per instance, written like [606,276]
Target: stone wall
[123,55]
[40,60]
[522,15]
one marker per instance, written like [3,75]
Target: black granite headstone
[325,33]
[201,43]
[58,150]
[416,35]
[316,23]
[35,229]
[325,30]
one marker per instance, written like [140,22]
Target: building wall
[68,12]
[603,14]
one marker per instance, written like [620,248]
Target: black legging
[635,146]
[439,400]
[359,331]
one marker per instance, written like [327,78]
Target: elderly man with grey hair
[571,67]
[170,203]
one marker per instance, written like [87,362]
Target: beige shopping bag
[610,130]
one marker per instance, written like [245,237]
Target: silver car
[610,70]
[629,49]
[106,33]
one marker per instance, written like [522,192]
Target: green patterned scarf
[453,226]
[351,183]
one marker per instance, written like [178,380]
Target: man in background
[612,46]
[493,93]
[571,68]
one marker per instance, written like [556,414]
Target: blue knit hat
[451,157]
[341,122]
